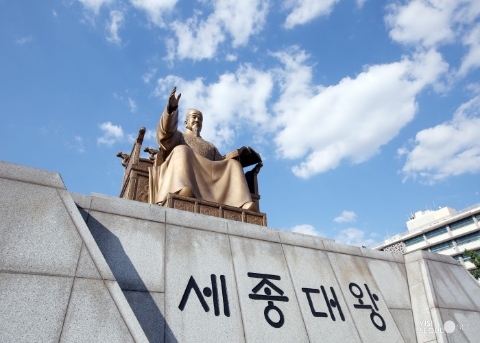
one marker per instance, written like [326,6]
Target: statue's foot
[186,192]
[251,206]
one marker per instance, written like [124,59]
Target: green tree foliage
[475,259]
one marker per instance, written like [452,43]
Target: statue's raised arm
[190,166]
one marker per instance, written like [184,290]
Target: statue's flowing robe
[190,161]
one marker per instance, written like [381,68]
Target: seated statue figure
[192,167]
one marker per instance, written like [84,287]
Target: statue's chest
[200,146]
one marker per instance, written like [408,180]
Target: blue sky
[363,110]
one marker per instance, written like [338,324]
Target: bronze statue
[190,166]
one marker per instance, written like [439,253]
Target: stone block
[391,280]
[32,307]
[342,248]
[379,255]
[92,315]
[310,270]
[81,200]
[37,232]
[195,221]
[86,236]
[414,273]
[126,311]
[253,231]
[399,258]
[464,326]
[405,324]
[133,249]
[448,259]
[298,239]
[202,303]
[421,313]
[278,319]
[428,284]
[86,267]
[352,270]
[127,208]
[30,175]
[438,324]
[413,256]
[453,286]
[149,310]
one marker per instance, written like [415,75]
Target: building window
[442,246]
[437,232]
[478,217]
[457,258]
[468,238]
[461,223]
[414,240]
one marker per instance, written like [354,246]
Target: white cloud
[148,75]
[155,9]
[116,22]
[346,217]
[24,40]
[350,120]
[133,105]
[472,59]
[429,23]
[303,11]
[353,236]
[320,125]
[236,99]
[79,144]
[199,38]
[448,149]
[54,13]
[306,229]
[231,58]
[94,5]
[150,135]
[111,134]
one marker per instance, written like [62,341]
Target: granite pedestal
[78,268]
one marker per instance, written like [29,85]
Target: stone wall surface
[77,268]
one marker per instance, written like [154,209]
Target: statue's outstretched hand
[172,100]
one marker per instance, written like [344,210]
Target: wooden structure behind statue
[135,184]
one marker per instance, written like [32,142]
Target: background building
[444,231]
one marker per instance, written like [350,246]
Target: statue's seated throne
[135,185]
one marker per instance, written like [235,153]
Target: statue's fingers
[179,95]
[173,91]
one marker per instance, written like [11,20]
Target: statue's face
[194,118]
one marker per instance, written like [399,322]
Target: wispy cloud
[112,27]
[54,13]
[24,40]
[155,9]
[303,11]
[353,236]
[306,229]
[133,105]
[198,37]
[95,5]
[346,217]
[78,144]
[148,75]
[111,134]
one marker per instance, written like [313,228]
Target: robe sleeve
[168,137]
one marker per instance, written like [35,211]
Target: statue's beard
[196,130]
